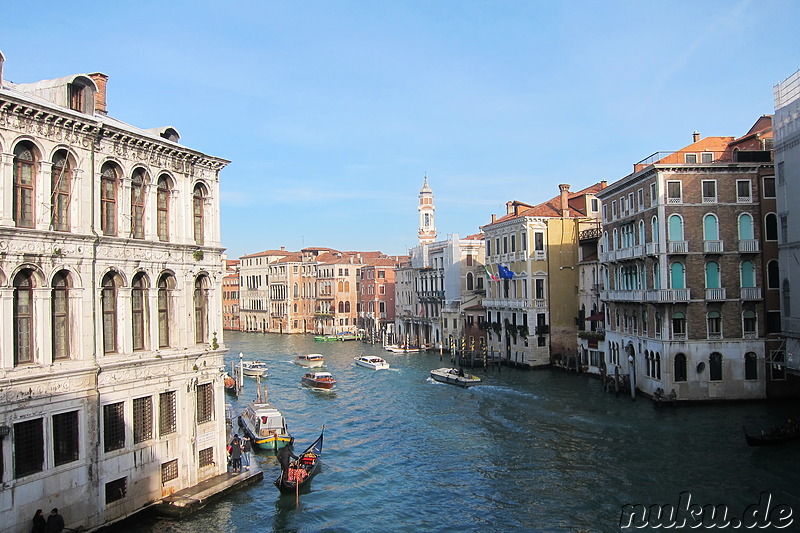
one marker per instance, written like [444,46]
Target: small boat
[230,383]
[310,360]
[264,424]
[777,435]
[401,348]
[302,469]
[325,338]
[371,361]
[319,380]
[455,376]
[254,368]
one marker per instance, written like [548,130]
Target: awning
[597,317]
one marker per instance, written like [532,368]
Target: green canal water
[526,451]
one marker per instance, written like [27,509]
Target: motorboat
[319,380]
[254,368]
[264,424]
[371,361]
[455,376]
[401,348]
[310,360]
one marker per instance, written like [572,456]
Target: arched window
[137,203]
[23,317]
[748,275]
[677,276]
[654,229]
[678,325]
[712,275]
[165,286]
[714,321]
[745,227]
[200,309]
[680,367]
[715,367]
[59,311]
[108,301]
[771,227]
[109,179]
[750,366]
[24,183]
[710,228]
[139,311]
[162,205]
[469,281]
[642,236]
[658,366]
[773,277]
[749,325]
[347,307]
[296,290]
[341,307]
[675,228]
[198,199]
[60,182]
[656,276]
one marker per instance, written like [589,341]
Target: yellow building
[531,258]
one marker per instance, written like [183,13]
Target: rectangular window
[674,192]
[640,199]
[743,191]
[630,202]
[381,289]
[505,245]
[488,247]
[113,426]
[768,190]
[539,283]
[65,438]
[169,471]
[709,191]
[381,274]
[707,157]
[205,403]
[206,457]
[523,238]
[653,194]
[614,210]
[28,448]
[538,241]
[690,158]
[116,490]
[76,97]
[779,172]
[382,307]
[773,321]
[142,419]
[595,205]
[605,213]
[513,244]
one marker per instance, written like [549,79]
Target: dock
[191,499]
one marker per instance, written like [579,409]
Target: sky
[333,112]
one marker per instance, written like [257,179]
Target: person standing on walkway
[39,522]
[246,451]
[55,522]
[236,454]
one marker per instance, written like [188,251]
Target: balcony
[712,247]
[652,248]
[715,294]
[748,246]
[668,295]
[751,293]
[623,296]
[539,255]
[678,247]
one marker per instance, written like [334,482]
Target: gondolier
[285,456]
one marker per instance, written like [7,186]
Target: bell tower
[427,230]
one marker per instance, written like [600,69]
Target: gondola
[302,469]
[778,435]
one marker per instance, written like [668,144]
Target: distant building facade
[230,295]
[111,324]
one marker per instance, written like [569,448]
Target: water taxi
[371,361]
[319,380]
[310,360]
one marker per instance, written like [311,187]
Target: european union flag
[505,273]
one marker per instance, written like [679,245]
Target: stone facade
[110,308]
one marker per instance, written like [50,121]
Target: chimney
[494,218]
[283,248]
[603,184]
[695,136]
[509,208]
[100,80]
[564,188]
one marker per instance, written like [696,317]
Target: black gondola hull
[309,461]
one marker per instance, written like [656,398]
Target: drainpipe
[93,282]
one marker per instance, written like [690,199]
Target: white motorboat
[310,360]
[254,368]
[371,361]
[455,376]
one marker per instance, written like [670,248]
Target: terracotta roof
[278,253]
[550,208]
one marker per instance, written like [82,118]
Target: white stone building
[111,324]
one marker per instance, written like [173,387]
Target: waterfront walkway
[191,499]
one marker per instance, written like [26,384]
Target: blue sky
[333,111]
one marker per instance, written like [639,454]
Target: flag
[505,273]
[494,278]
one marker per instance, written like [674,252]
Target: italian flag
[494,278]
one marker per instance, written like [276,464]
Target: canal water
[527,450]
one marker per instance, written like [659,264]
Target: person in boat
[285,456]
[460,372]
